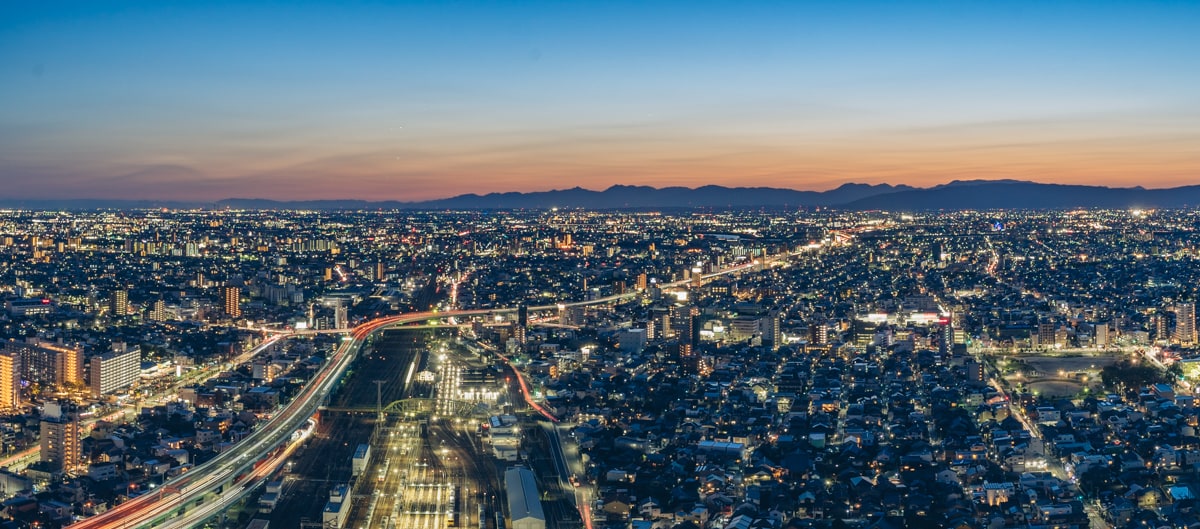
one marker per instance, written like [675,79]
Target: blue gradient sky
[416,100]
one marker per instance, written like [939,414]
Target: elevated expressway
[230,469]
[239,469]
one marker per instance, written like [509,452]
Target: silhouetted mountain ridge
[955,195]
[1013,194]
[627,196]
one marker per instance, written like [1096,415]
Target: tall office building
[1185,323]
[119,303]
[10,380]
[114,370]
[60,436]
[231,299]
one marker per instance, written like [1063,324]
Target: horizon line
[902,187]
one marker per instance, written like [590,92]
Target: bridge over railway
[407,407]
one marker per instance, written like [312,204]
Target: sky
[420,100]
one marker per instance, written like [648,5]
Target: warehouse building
[524,507]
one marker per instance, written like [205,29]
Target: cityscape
[660,264]
[588,369]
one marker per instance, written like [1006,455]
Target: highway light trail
[525,390]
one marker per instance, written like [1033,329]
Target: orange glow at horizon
[442,173]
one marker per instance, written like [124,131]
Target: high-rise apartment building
[687,320]
[946,339]
[114,370]
[119,303]
[522,324]
[60,436]
[10,380]
[69,365]
[688,358]
[231,299]
[775,329]
[1045,334]
[47,362]
[818,333]
[1160,324]
[1185,323]
[158,311]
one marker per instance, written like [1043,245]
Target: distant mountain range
[957,195]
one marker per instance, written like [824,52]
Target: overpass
[744,267]
[413,405]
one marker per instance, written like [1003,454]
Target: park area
[1057,375]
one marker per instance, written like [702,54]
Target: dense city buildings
[647,369]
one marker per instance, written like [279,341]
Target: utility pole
[379,398]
